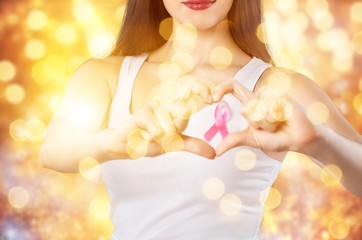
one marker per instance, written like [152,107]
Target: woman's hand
[159,124]
[276,121]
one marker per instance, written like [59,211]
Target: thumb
[199,147]
[173,142]
[235,139]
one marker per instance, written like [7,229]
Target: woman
[156,101]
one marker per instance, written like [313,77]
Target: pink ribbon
[222,116]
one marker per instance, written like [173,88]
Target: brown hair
[140,30]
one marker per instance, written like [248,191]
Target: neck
[198,44]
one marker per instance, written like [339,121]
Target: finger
[145,120]
[164,119]
[235,139]
[259,116]
[177,142]
[241,92]
[198,146]
[202,90]
[222,89]
[183,92]
[180,110]
[231,86]
[180,124]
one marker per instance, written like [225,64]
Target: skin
[67,142]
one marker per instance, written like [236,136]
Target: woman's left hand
[276,121]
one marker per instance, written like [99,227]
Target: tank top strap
[123,95]
[251,72]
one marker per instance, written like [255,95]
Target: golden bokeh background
[43,42]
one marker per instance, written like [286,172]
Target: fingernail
[216,97]
[209,98]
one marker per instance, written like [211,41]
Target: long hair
[140,30]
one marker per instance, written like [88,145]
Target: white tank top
[180,195]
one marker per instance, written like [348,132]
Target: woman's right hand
[157,127]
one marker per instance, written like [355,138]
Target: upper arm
[307,93]
[86,99]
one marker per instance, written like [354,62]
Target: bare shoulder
[99,70]
[295,84]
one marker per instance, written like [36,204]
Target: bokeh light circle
[18,197]
[14,93]
[230,204]
[213,188]
[338,228]
[37,20]
[35,49]
[7,71]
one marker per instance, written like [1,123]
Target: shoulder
[100,66]
[293,83]
[99,71]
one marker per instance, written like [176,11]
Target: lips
[199,5]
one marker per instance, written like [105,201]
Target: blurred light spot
[343,60]
[101,44]
[181,110]
[172,142]
[280,109]
[280,81]
[83,11]
[324,22]
[35,49]
[357,42]
[245,159]
[81,114]
[165,28]
[14,93]
[11,19]
[292,60]
[331,175]
[334,40]
[213,188]
[293,31]
[89,168]
[355,12]
[338,228]
[137,144]
[18,197]
[7,71]
[270,198]
[360,84]
[230,204]
[66,34]
[357,102]
[99,208]
[169,71]
[17,130]
[51,69]
[317,8]
[185,38]
[36,20]
[256,110]
[286,5]
[318,113]
[184,60]
[220,57]
[35,130]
